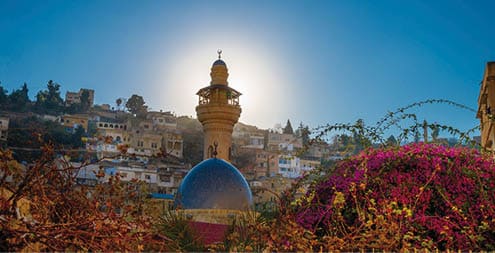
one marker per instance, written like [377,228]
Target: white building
[289,166]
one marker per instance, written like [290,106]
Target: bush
[414,196]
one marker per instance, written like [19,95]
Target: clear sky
[315,62]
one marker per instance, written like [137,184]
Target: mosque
[214,191]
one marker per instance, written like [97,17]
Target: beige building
[162,120]
[4,128]
[172,143]
[283,142]
[269,189]
[218,111]
[486,108]
[261,163]
[75,120]
[145,143]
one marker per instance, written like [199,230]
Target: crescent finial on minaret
[219,51]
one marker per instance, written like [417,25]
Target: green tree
[19,99]
[85,103]
[359,137]
[303,132]
[77,137]
[434,133]
[49,100]
[118,102]
[4,98]
[288,128]
[391,141]
[136,105]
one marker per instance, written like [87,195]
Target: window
[140,143]
[165,178]
[210,151]
[148,177]
[154,145]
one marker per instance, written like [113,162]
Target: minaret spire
[218,111]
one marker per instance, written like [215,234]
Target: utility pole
[425,131]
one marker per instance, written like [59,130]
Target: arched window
[210,151]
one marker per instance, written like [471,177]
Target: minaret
[218,110]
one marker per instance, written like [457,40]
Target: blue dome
[219,62]
[214,184]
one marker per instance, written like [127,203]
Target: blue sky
[315,62]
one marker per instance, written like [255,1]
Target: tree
[85,103]
[118,102]
[288,128]
[391,141]
[19,99]
[49,100]
[4,98]
[77,137]
[359,136]
[303,132]
[434,133]
[136,105]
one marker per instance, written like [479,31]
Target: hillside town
[157,147]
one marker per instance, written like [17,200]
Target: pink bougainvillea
[431,196]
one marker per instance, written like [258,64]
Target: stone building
[486,108]
[75,97]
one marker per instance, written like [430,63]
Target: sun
[253,73]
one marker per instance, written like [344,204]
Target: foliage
[28,135]
[387,197]
[415,196]
[49,101]
[118,102]
[288,128]
[303,132]
[136,105]
[193,137]
[19,100]
[64,216]
[4,98]
[175,226]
